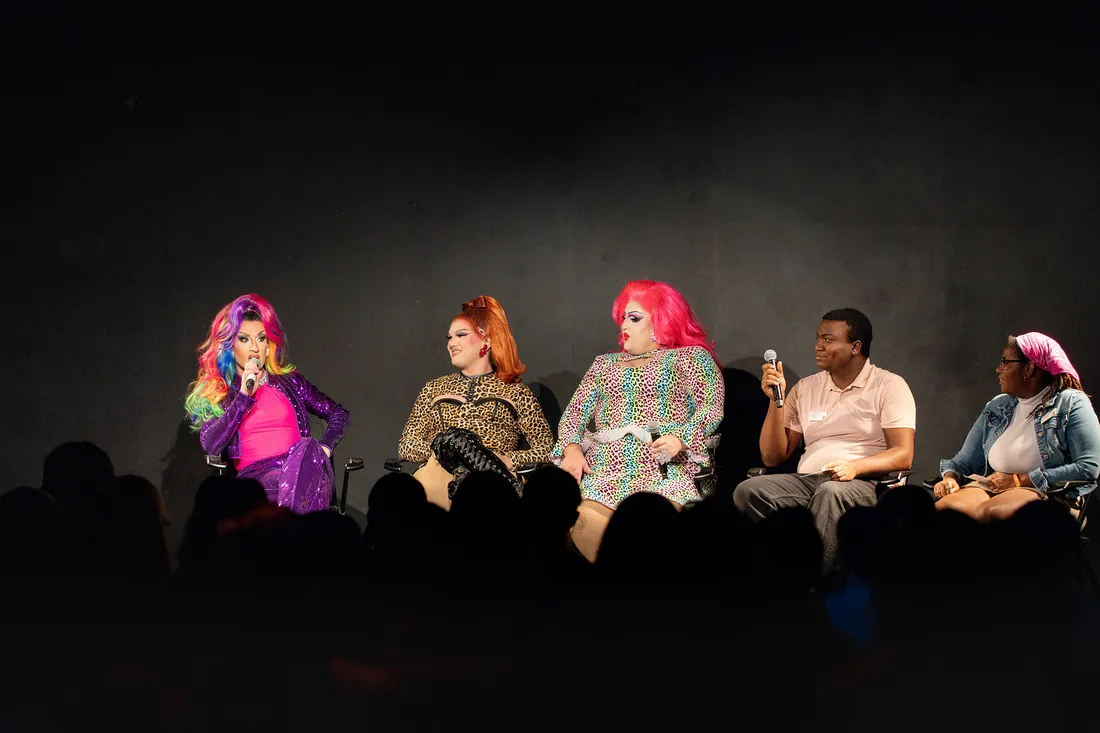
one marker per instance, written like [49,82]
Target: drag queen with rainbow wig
[263,430]
[665,380]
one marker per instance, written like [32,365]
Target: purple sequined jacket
[221,433]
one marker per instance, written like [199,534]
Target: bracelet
[1015,480]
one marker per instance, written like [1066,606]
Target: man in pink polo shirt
[858,421]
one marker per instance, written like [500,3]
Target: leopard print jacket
[499,413]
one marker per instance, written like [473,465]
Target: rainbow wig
[674,322]
[216,365]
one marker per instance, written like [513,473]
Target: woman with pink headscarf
[1039,431]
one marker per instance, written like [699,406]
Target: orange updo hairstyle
[487,317]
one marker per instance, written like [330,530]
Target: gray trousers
[827,500]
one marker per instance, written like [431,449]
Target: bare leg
[1005,504]
[435,478]
[589,528]
[968,500]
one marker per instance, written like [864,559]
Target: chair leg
[344,494]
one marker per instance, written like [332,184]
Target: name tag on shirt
[817,415]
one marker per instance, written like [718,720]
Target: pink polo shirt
[845,425]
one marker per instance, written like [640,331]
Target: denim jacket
[1065,427]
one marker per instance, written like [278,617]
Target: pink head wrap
[1046,353]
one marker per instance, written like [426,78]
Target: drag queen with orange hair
[250,402]
[473,419]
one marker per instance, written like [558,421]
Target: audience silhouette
[488,618]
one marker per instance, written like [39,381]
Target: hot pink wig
[674,322]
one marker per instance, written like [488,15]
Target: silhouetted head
[258,545]
[218,498]
[330,544]
[138,497]
[137,526]
[77,474]
[1041,529]
[485,513]
[394,497]
[29,531]
[484,497]
[551,498]
[641,536]
[787,553]
[907,508]
[859,543]
[716,540]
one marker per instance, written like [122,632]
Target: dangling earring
[652,337]
[483,351]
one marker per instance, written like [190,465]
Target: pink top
[845,425]
[269,428]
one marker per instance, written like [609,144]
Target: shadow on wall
[746,406]
[546,391]
[184,469]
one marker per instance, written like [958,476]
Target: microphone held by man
[773,376]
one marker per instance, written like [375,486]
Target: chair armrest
[353,464]
[706,471]
[525,468]
[214,461]
[1068,489]
[756,471]
[895,478]
[397,465]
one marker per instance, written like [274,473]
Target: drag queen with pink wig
[655,403]
[251,404]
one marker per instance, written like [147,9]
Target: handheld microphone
[251,381]
[654,433]
[771,357]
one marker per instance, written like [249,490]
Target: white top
[1017,450]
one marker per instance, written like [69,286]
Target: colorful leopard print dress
[679,391]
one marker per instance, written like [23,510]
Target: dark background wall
[937,172]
